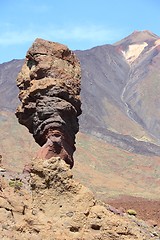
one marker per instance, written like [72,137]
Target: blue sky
[78,24]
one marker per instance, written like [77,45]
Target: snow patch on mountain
[133,52]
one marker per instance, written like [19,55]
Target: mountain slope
[143,85]
[8,89]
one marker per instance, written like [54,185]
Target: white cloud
[15,37]
[94,34]
[84,33]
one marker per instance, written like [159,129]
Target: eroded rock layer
[49,84]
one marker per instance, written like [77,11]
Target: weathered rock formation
[49,84]
[57,207]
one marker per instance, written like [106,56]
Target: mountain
[120,92]
[120,88]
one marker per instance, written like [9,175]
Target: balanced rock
[49,84]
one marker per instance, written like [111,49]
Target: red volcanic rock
[49,84]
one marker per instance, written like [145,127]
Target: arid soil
[148,210]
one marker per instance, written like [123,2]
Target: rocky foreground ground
[48,203]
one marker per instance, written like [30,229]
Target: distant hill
[120,92]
